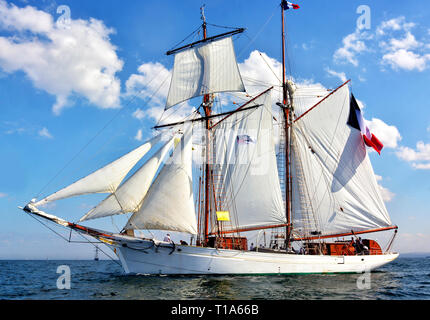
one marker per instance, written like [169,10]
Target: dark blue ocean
[404,279]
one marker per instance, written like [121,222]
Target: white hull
[145,258]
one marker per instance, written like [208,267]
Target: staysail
[332,172]
[207,68]
[169,203]
[105,179]
[128,197]
[246,156]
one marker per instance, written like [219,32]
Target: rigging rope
[190,35]
[257,34]
[269,67]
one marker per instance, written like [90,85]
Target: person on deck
[358,246]
[167,238]
[360,243]
[364,249]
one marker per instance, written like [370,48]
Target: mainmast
[286,107]
[207,107]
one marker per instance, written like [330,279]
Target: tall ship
[269,187]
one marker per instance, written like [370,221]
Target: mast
[208,111]
[286,107]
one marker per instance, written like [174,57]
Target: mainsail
[332,172]
[105,179]
[169,203]
[207,68]
[246,156]
[128,197]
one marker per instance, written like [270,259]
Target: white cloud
[422,166]
[152,81]
[399,48]
[386,194]
[45,133]
[395,24]
[77,59]
[404,59]
[17,130]
[308,46]
[3,195]
[401,52]
[139,114]
[422,152]
[21,19]
[340,75]
[138,136]
[408,42]
[420,157]
[353,44]
[388,135]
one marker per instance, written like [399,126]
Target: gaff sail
[332,171]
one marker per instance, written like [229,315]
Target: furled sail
[128,197]
[204,69]
[246,155]
[169,203]
[332,171]
[106,179]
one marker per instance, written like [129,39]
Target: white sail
[169,203]
[208,68]
[246,153]
[105,179]
[334,176]
[128,197]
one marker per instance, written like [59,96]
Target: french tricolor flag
[356,121]
[288,5]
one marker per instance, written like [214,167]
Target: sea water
[403,279]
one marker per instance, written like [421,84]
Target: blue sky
[62,80]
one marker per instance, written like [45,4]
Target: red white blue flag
[356,121]
[288,5]
[244,139]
